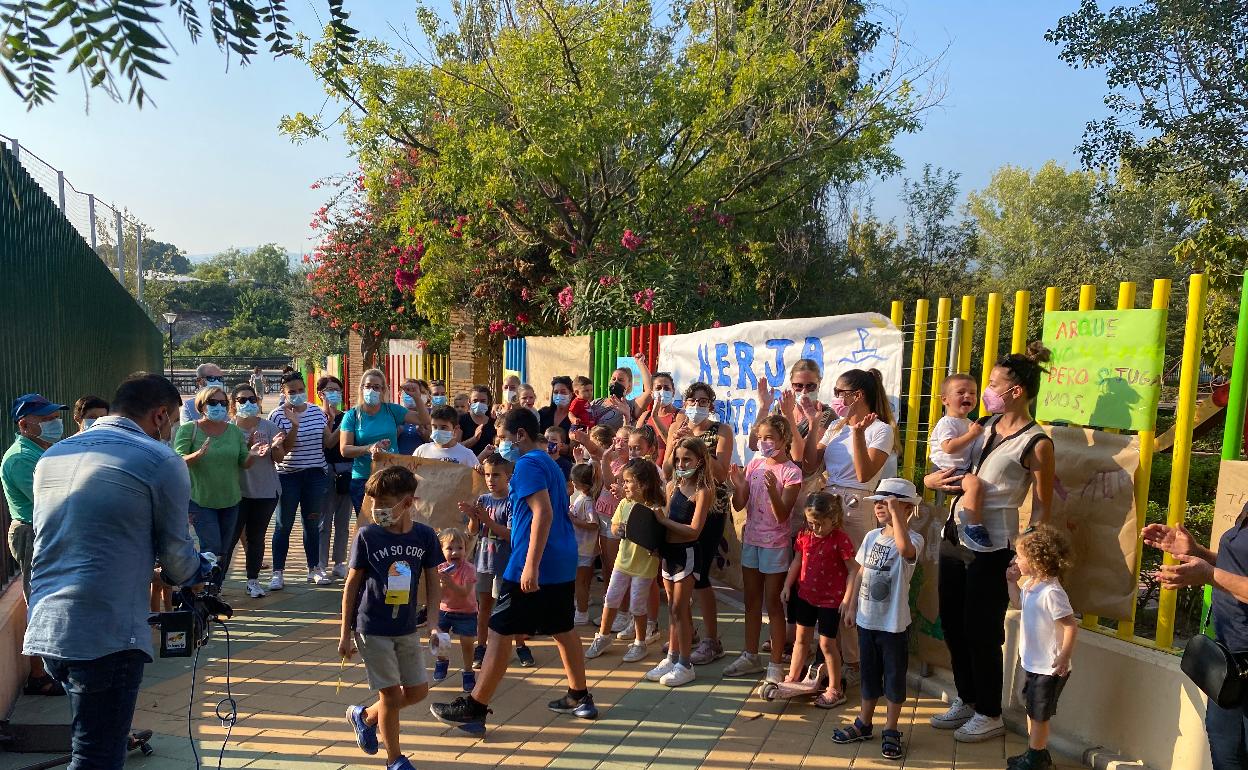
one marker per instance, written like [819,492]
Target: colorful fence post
[940,361]
[968,333]
[1022,306]
[992,338]
[914,393]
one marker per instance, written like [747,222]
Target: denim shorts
[458,623]
[769,561]
[884,659]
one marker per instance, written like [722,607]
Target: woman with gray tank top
[1014,458]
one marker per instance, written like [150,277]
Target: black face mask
[616,389]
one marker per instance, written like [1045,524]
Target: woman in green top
[372,428]
[214,451]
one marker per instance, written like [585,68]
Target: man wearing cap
[39,425]
[206,375]
[109,502]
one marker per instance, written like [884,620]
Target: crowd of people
[637,491]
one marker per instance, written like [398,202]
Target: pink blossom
[630,240]
[566,298]
[724,220]
[496,326]
[522,318]
[715,324]
[510,330]
[405,280]
[524,294]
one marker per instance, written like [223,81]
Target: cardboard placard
[1106,369]
[630,363]
[1231,500]
[442,487]
[1094,501]
[550,357]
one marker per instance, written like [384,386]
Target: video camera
[187,627]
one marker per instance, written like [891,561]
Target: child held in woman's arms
[953,442]
[817,586]
[887,558]
[1048,635]
[457,613]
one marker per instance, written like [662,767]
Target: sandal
[890,745]
[852,734]
[824,702]
[44,685]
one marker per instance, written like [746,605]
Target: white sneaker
[635,652]
[979,728]
[254,590]
[340,571]
[680,674]
[317,576]
[775,673]
[958,714]
[599,645]
[746,663]
[580,619]
[623,622]
[852,675]
[277,582]
[657,673]
[652,633]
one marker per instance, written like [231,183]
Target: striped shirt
[309,449]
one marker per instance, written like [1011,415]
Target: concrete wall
[13,666]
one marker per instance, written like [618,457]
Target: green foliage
[1202,484]
[233,340]
[165,258]
[267,311]
[267,265]
[310,334]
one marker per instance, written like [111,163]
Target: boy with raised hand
[445,446]
[379,609]
[537,593]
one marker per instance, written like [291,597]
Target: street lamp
[171,319]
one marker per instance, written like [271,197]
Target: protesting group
[643,490]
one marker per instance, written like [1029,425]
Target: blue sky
[207,168]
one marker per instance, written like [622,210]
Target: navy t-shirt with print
[536,471]
[389,602]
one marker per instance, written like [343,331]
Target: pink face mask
[767,448]
[993,401]
[839,407]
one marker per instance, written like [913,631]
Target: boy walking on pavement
[379,608]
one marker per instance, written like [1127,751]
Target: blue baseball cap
[33,405]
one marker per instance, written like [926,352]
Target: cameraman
[108,502]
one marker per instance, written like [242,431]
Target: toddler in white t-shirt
[953,442]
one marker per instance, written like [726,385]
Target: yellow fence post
[1087,301]
[914,394]
[940,365]
[968,333]
[992,336]
[898,314]
[1022,306]
[1189,378]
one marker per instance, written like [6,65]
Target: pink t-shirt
[761,527]
[606,503]
[466,577]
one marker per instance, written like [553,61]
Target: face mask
[217,413]
[509,451]
[805,397]
[215,382]
[408,401]
[385,517]
[767,448]
[52,430]
[560,399]
[684,473]
[994,402]
[249,409]
[297,399]
[616,389]
[839,407]
[479,408]
[372,397]
[665,397]
[551,447]
[333,397]
[87,423]
[438,400]
[697,414]
[509,396]
[442,437]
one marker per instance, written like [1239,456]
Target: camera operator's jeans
[215,529]
[303,490]
[1227,730]
[102,694]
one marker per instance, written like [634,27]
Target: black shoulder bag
[1218,672]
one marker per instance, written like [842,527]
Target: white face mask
[387,517]
[697,414]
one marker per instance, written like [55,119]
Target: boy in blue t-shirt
[380,613]
[537,593]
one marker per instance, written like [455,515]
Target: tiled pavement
[285,674]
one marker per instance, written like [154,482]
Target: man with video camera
[109,502]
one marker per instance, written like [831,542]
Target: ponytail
[871,383]
[1025,369]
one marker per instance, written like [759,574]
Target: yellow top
[632,559]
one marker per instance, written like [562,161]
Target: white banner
[732,359]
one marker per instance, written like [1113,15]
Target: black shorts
[706,549]
[679,561]
[1040,694]
[883,660]
[545,612]
[807,615]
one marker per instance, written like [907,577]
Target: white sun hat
[901,489]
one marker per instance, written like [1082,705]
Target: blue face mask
[215,382]
[438,400]
[87,423]
[561,399]
[297,399]
[408,401]
[249,409]
[665,397]
[442,437]
[333,397]
[52,430]
[509,451]
[217,413]
[479,408]
[372,397]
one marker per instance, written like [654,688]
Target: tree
[1178,77]
[549,151]
[165,258]
[265,310]
[267,265]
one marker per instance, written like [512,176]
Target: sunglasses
[216,402]
[246,400]
[377,388]
[805,387]
[839,393]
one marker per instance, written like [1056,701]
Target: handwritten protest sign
[555,357]
[1106,368]
[1231,500]
[442,486]
[630,363]
[733,359]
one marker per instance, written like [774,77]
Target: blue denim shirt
[108,502]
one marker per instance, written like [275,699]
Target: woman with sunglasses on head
[260,485]
[697,421]
[372,427]
[556,414]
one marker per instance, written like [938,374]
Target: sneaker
[321,578]
[657,673]
[365,734]
[580,619]
[635,652]
[958,714]
[277,582]
[463,712]
[652,633]
[623,621]
[679,675]
[441,669]
[598,646]
[979,728]
[583,708]
[706,651]
[850,676]
[696,640]
[977,534]
[312,573]
[629,633]
[525,656]
[478,656]
[746,663]
[775,673]
[402,763]
[254,590]
[340,571]
[1031,759]
[470,680]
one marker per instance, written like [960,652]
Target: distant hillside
[293,258]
